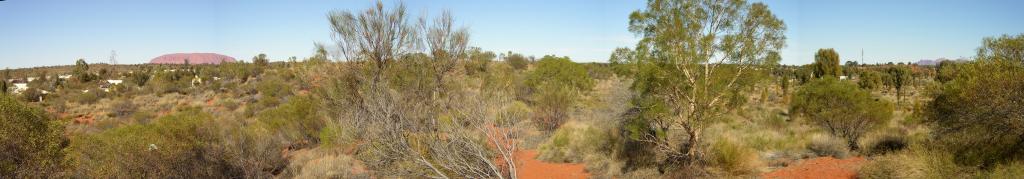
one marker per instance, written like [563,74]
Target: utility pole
[113,57]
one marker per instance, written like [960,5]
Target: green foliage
[826,63]
[81,71]
[517,61]
[977,115]
[557,83]
[90,97]
[946,71]
[899,77]
[623,61]
[261,61]
[295,120]
[478,61]
[171,146]
[841,108]
[575,142]
[804,73]
[870,80]
[32,142]
[1005,47]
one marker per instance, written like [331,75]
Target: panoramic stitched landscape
[393,89]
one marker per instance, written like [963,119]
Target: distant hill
[927,62]
[193,58]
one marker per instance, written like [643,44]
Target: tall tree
[81,71]
[826,63]
[695,53]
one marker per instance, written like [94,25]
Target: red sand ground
[821,167]
[531,168]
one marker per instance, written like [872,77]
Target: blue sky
[51,32]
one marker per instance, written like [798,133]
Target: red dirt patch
[84,119]
[821,167]
[531,168]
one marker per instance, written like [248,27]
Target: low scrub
[826,145]
[733,157]
[575,141]
[917,162]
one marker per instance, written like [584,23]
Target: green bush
[557,83]
[171,146]
[32,142]
[295,120]
[841,108]
[976,112]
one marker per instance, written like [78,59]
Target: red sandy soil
[531,168]
[821,167]
[84,119]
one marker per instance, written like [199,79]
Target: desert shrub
[887,143]
[574,142]
[273,86]
[978,113]
[870,80]
[324,163]
[31,95]
[517,61]
[171,146]
[825,145]
[733,157]
[841,108]
[599,71]
[918,162]
[123,108]
[295,120]
[90,97]
[557,83]
[1005,171]
[32,142]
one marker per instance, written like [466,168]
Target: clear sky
[50,32]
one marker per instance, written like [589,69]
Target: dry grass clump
[827,145]
[324,163]
[574,142]
[733,157]
[918,162]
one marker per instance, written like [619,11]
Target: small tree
[841,108]
[899,77]
[557,83]
[517,61]
[870,80]
[695,55]
[623,61]
[826,63]
[81,71]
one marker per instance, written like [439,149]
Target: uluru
[192,58]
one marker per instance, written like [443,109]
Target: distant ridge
[927,62]
[193,58]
